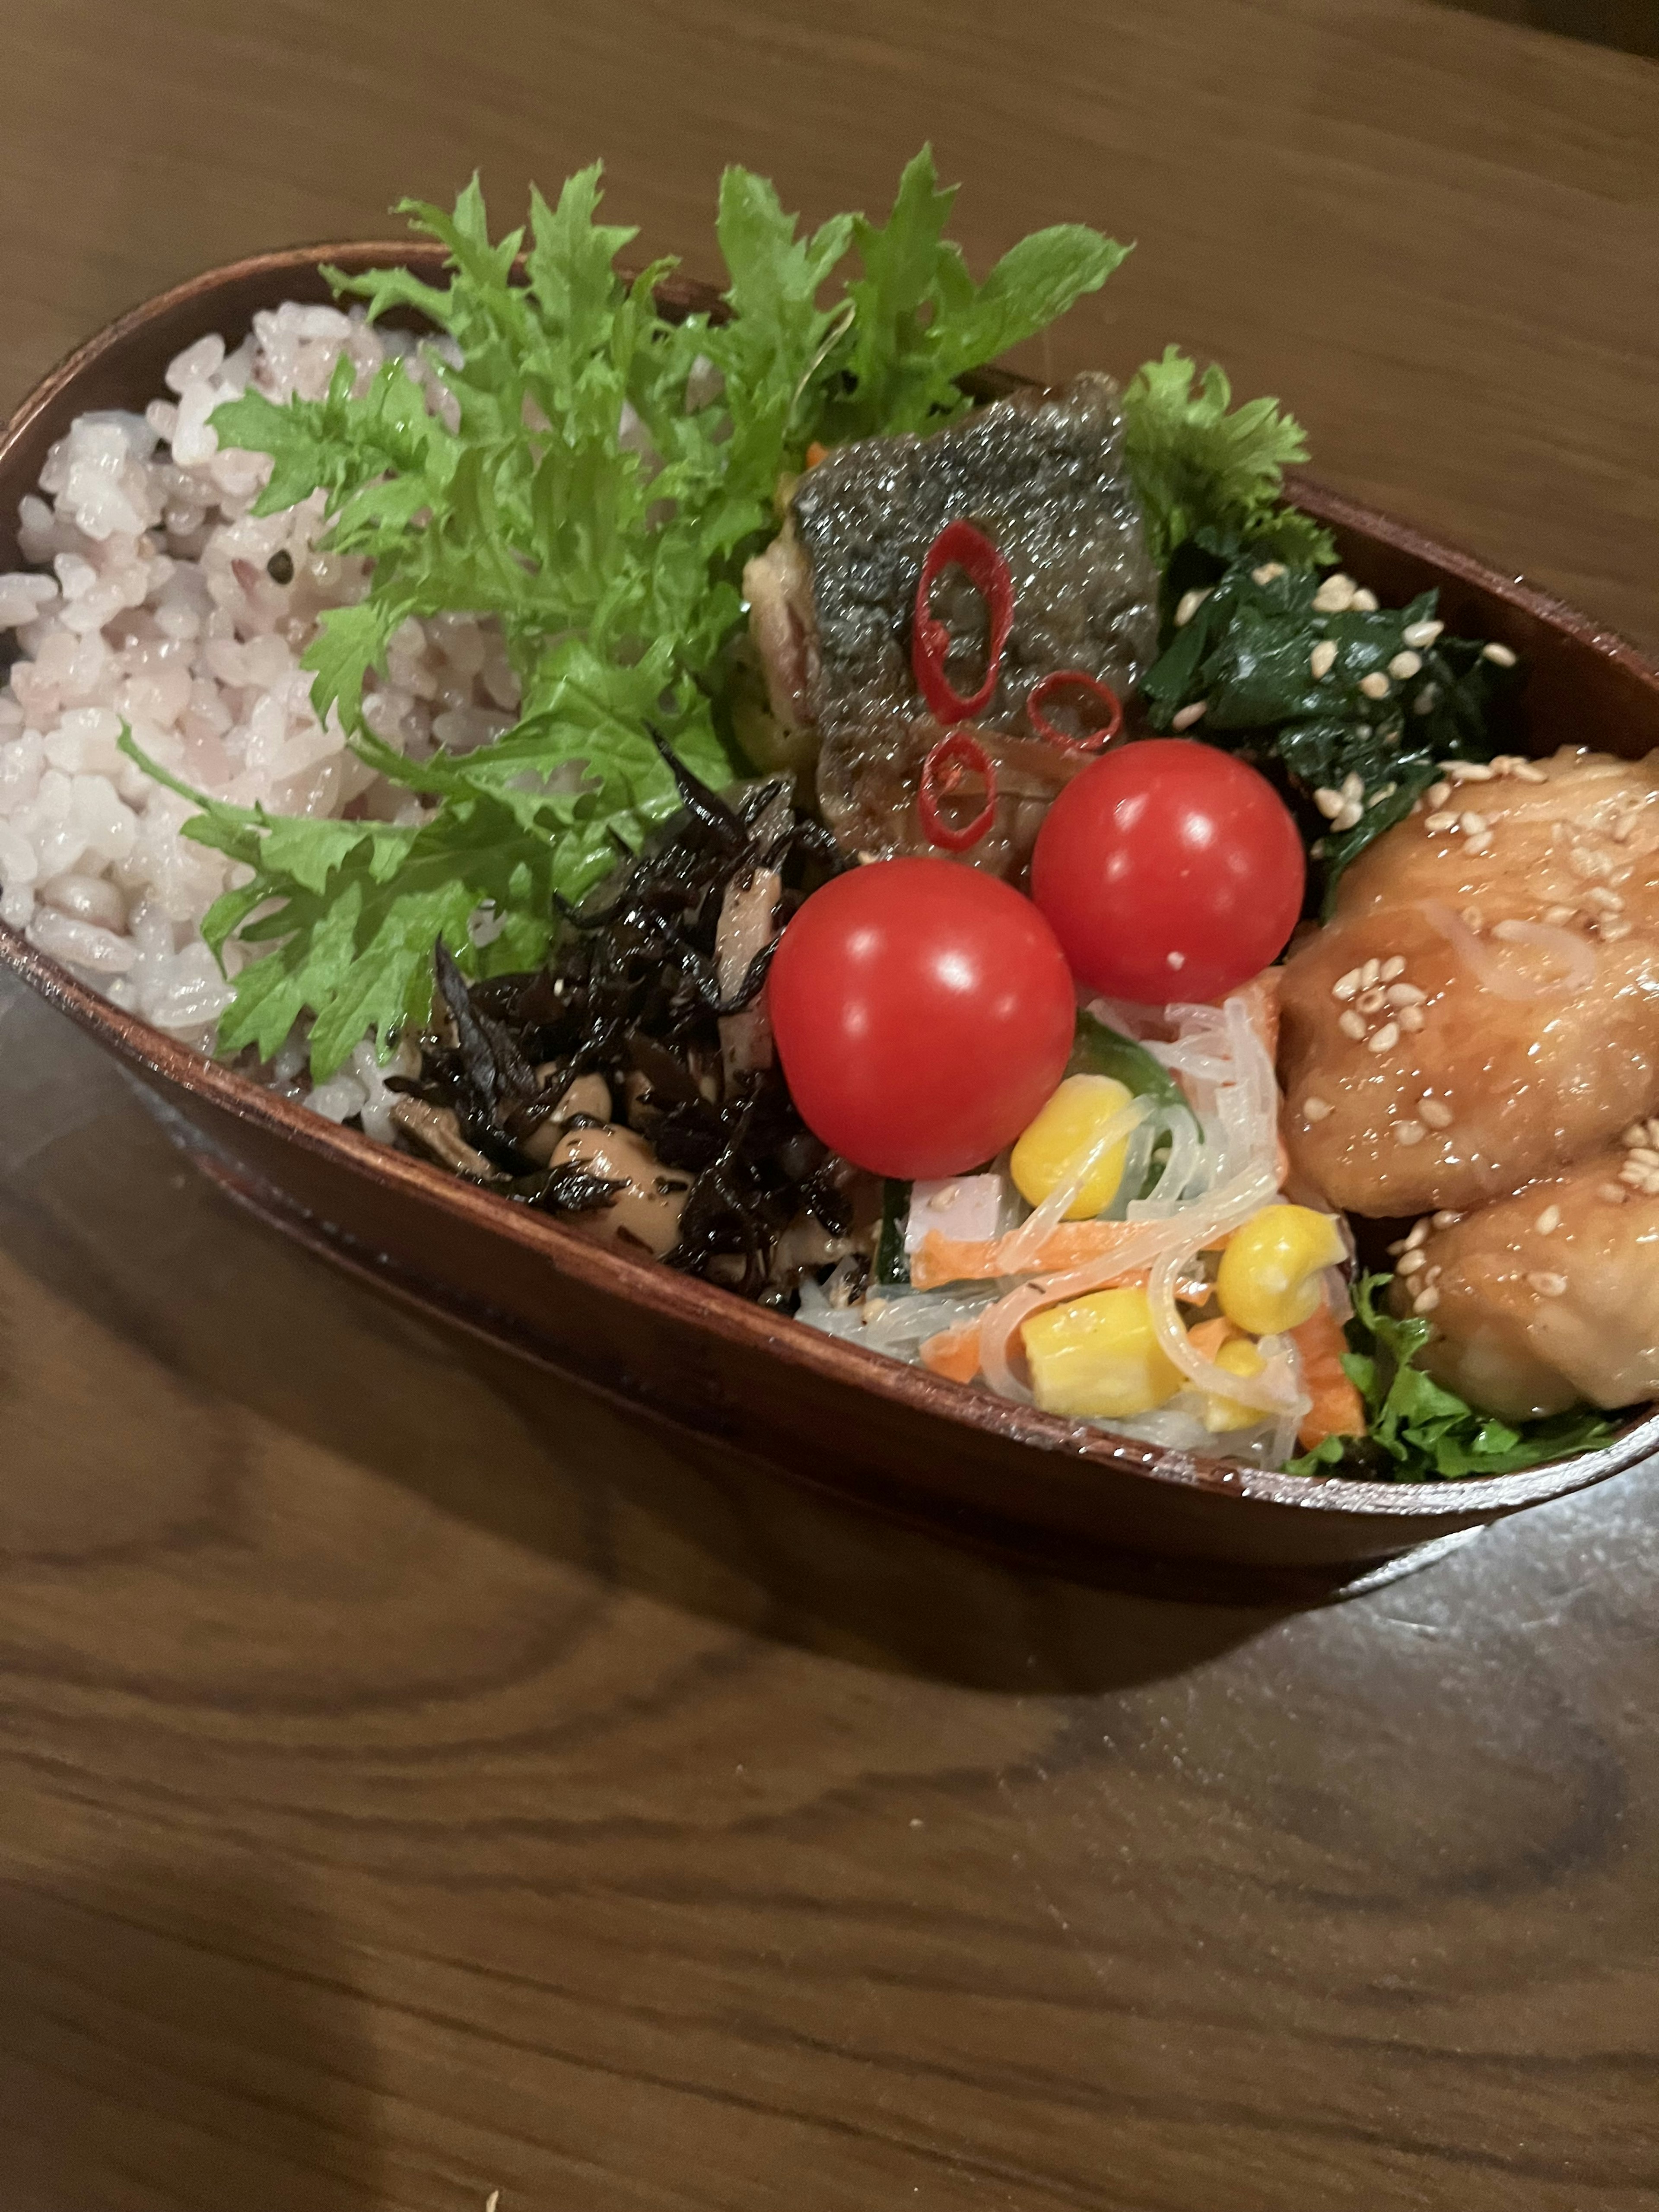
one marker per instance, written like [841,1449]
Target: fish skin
[1043,475]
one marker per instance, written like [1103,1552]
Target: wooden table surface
[420,1781]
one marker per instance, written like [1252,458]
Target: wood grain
[419,1780]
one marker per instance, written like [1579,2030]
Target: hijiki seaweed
[643,1042]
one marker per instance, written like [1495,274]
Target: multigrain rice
[151,601]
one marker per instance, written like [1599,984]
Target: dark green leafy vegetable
[1248,651]
[1419,1432]
[892,1262]
[612,564]
[1099,1049]
[1198,467]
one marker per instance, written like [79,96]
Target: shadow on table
[96,1207]
[166,2042]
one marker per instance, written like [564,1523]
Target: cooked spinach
[1248,651]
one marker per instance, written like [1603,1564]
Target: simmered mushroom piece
[647,1208]
[589,1096]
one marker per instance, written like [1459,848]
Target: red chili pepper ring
[960,545]
[942,772]
[1093,693]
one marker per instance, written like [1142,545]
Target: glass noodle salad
[956,861]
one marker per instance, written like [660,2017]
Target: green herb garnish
[1197,467]
[1249,653]
[1419,1432]
[614,573]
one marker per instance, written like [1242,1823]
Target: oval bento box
[702,1358]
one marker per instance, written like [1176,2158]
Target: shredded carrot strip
[953,1351]
[1072,1244]
[815,453]
[1208,1337]
[1337,1409]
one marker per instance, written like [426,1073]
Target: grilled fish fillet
[832,600]
[1549,1297]
[1422,1064]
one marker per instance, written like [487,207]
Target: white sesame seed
[1644,1156]
[1419,1235]
[1462,771]
[1188,716]
[1393,966]
[1346,986]
[1409,1133]
[1329,802]
[1334,596]
[1352,1024]
[1437,793]
[1386,791]
[1583,862]
[1363,602]
[1474,825]
[1353,785]
[1269,572]
[1614,1194]
[1316,1109]
[1422,634]
[1636,1134]
[1410,1263]
[1376,685]
[1370,973]
[1434,1274]
[1476,919]
[1190,603]
[1549,1286]
[1558,916]
[1548,1221]
[1412,1019]
[1352,810]
[1499,655]
[1445,1219]
[1438,824]
[1614,932]
[1404,666]
[1477,847]
[1373,1001]
[1322,659]
[1598,894]
[1623,829]
[1427,699]
[1527,772]
[1404,994]
[1436,1113]
[1426,1300]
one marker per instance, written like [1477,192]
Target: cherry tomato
[1170,870]
[923,1013]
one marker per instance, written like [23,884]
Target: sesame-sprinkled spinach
[1350,704]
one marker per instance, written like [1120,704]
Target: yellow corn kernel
[1239,1356]
[1064,1130]
[1269,1274]
[1099,1355]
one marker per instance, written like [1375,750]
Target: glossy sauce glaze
[1485,1008]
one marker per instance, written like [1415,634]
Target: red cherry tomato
[1170,870]
[923,1013]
